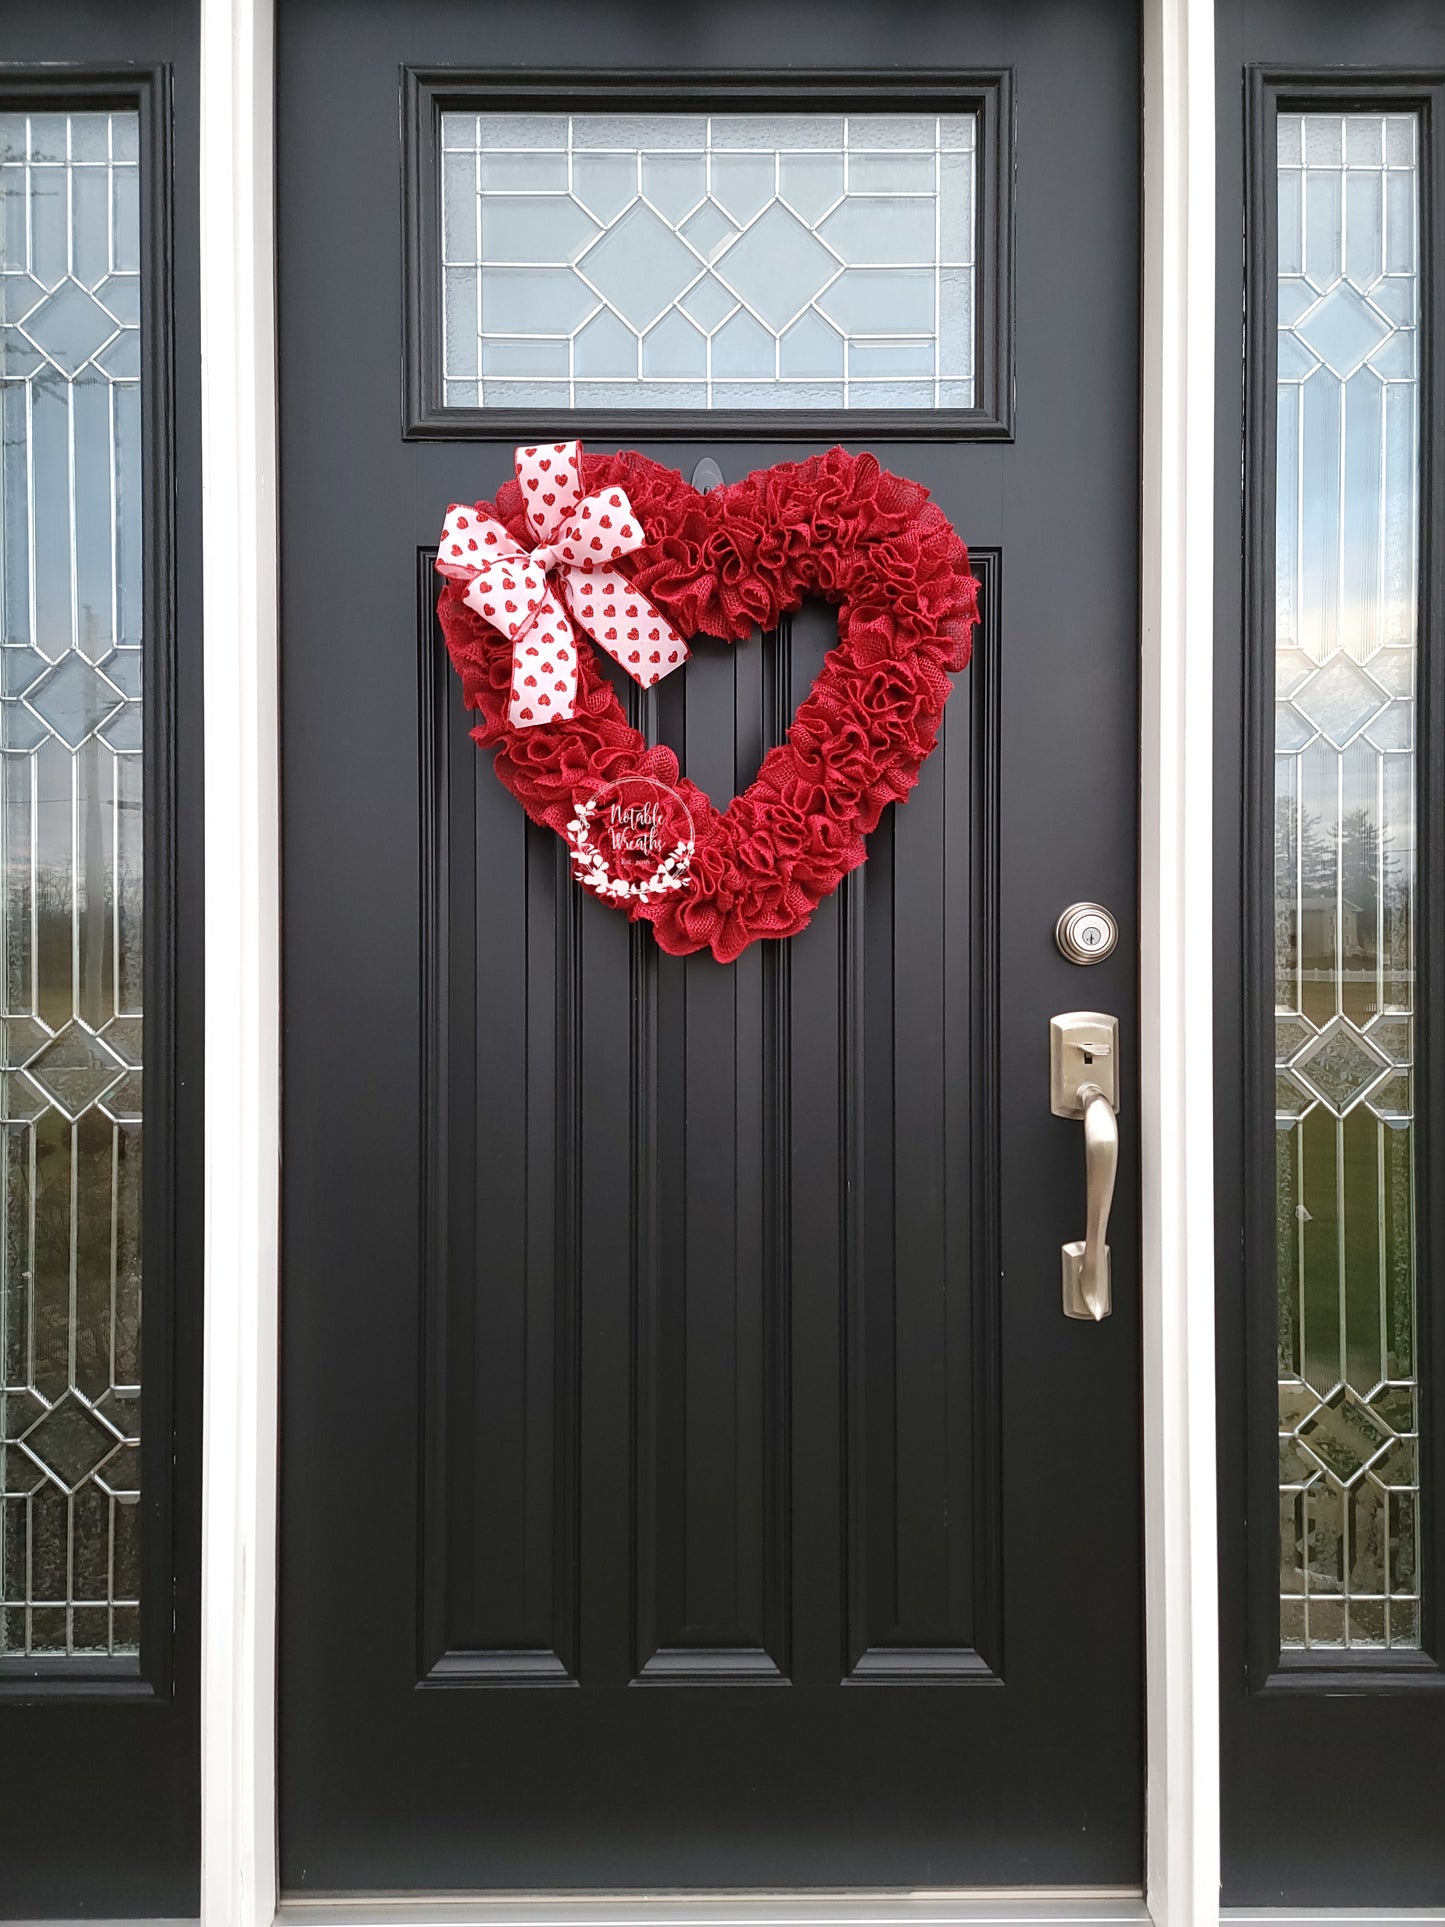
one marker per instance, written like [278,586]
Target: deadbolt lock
[1086,933]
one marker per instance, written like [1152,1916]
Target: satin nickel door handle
[1087,1291]
[1084,1083]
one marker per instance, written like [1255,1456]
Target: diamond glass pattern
[1343,329]
[69,326]
[1340,700]
[636,267]
[1346,603]
[71,882]
[663,261]
[70,1442]
[74,699]
[76,1071]
[1341,1067]
[1343,1437]
[777,267]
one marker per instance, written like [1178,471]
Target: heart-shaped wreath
[837,526]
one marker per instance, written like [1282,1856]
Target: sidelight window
[71,880]
[1346,618]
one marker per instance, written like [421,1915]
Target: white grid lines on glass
[70,883]
[708,261]
[1347,518]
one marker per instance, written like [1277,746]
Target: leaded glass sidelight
[743,260]
[70,882]
[1346,617]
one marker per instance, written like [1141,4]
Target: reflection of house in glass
[1330,927]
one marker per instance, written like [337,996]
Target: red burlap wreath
[837,526]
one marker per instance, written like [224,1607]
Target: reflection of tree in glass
[1332,886]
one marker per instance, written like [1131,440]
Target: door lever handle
[1087,1291]
[1084,1083]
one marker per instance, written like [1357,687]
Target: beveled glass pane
[723,261]
[71,842]
[1346,601]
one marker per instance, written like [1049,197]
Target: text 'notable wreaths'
[642,835]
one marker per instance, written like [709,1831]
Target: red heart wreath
[836,525]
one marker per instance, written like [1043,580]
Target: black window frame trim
[146,89]
[1271,90]
[428,92]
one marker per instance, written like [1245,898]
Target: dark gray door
[690,1477]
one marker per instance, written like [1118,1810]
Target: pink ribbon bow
[578,542]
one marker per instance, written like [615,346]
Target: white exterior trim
[243,997]
[1176,992]
[243,1030]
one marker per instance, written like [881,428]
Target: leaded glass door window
[71,882]
[708,261]
[738,253]
[1346,876]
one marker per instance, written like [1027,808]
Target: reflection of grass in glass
[80,1216]
[78,1171]
[1367,1165]
[1286,1248]
[1377,1222]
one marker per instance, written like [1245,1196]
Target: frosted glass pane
[722,261]
[778,133]
[71,884]
[674,183]
[743,346]
[879,358]
[674,347]
[811,347]
[891,174]
[883,229]
[523,358]
[1347,598]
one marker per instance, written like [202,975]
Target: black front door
[690,1476]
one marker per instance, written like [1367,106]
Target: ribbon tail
[621,621]
[544,665]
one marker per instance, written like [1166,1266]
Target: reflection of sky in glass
[1347,514]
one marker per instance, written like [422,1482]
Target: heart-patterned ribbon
[579,541]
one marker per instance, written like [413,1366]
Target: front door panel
[690,1477]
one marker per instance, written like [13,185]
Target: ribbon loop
[580,539]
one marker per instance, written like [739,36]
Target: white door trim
[238,1755]
[243,996]
[1176,994]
